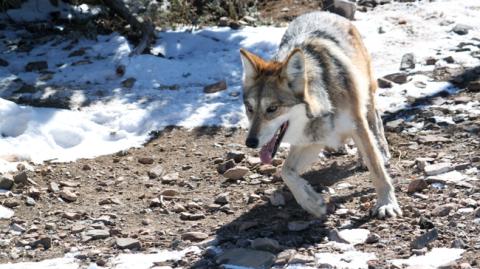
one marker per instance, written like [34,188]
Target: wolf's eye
[271,109]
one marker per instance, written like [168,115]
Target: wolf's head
[271,90]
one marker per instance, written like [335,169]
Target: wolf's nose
[252,142]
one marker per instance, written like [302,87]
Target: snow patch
[349,259]
[433,259]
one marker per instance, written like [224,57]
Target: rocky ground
[204,187]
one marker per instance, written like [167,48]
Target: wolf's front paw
[312,202]
[387,209]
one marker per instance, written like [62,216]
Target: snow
[64,263]
[433,259]
[121,261]
[349,259]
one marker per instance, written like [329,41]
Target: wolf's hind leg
[376,126]
[299,158]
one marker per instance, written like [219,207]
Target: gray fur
[318,24]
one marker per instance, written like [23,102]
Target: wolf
[315,93]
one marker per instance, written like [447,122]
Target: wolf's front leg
[299,159]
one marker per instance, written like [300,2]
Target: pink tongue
[267,150]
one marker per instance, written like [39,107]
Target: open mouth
[268,150]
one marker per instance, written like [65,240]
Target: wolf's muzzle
[252,142]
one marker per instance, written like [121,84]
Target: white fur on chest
[299,134]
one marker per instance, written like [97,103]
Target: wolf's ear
[296,75]
[294,72]
[249,60]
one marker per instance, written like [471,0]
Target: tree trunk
[145,27]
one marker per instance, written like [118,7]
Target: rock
[277,198]
[301,259]
[50,226]
[354,236]
[72,215]
[110,201]
[425,223]
[21,178]
[297,226]
[430,61]
[155,202]
[17,228]
[449,59]
[253,161]
[36,66]
[242,257]
[11,203]
[266,244]
[156,172]
[236,173]
[428,139]
[461,29]
[3,62]
[224,166]
[442,210]
[222,198]
[128,83]
[223,21]
[98,234]
[178,208]
[384,83]
[6,182]
[190,216]
[145,160]
[30,201]
[334,235]
[234,25]
[194,236]
[408,61]
[169,193]
[170,178]
[237,156]
[423,162]
[285,256]
[458,243]
[424,239]
[474,86]
[249,19]
[46,242]
[215,87]
[394,125]
[267,169]
[68,195]
[53,187]
[399,78]
[477,213]
[344,8]
[70,184]
[127,243]
[372,238]
[417,185]
[438,168]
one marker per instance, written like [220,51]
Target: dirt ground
[157,193]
